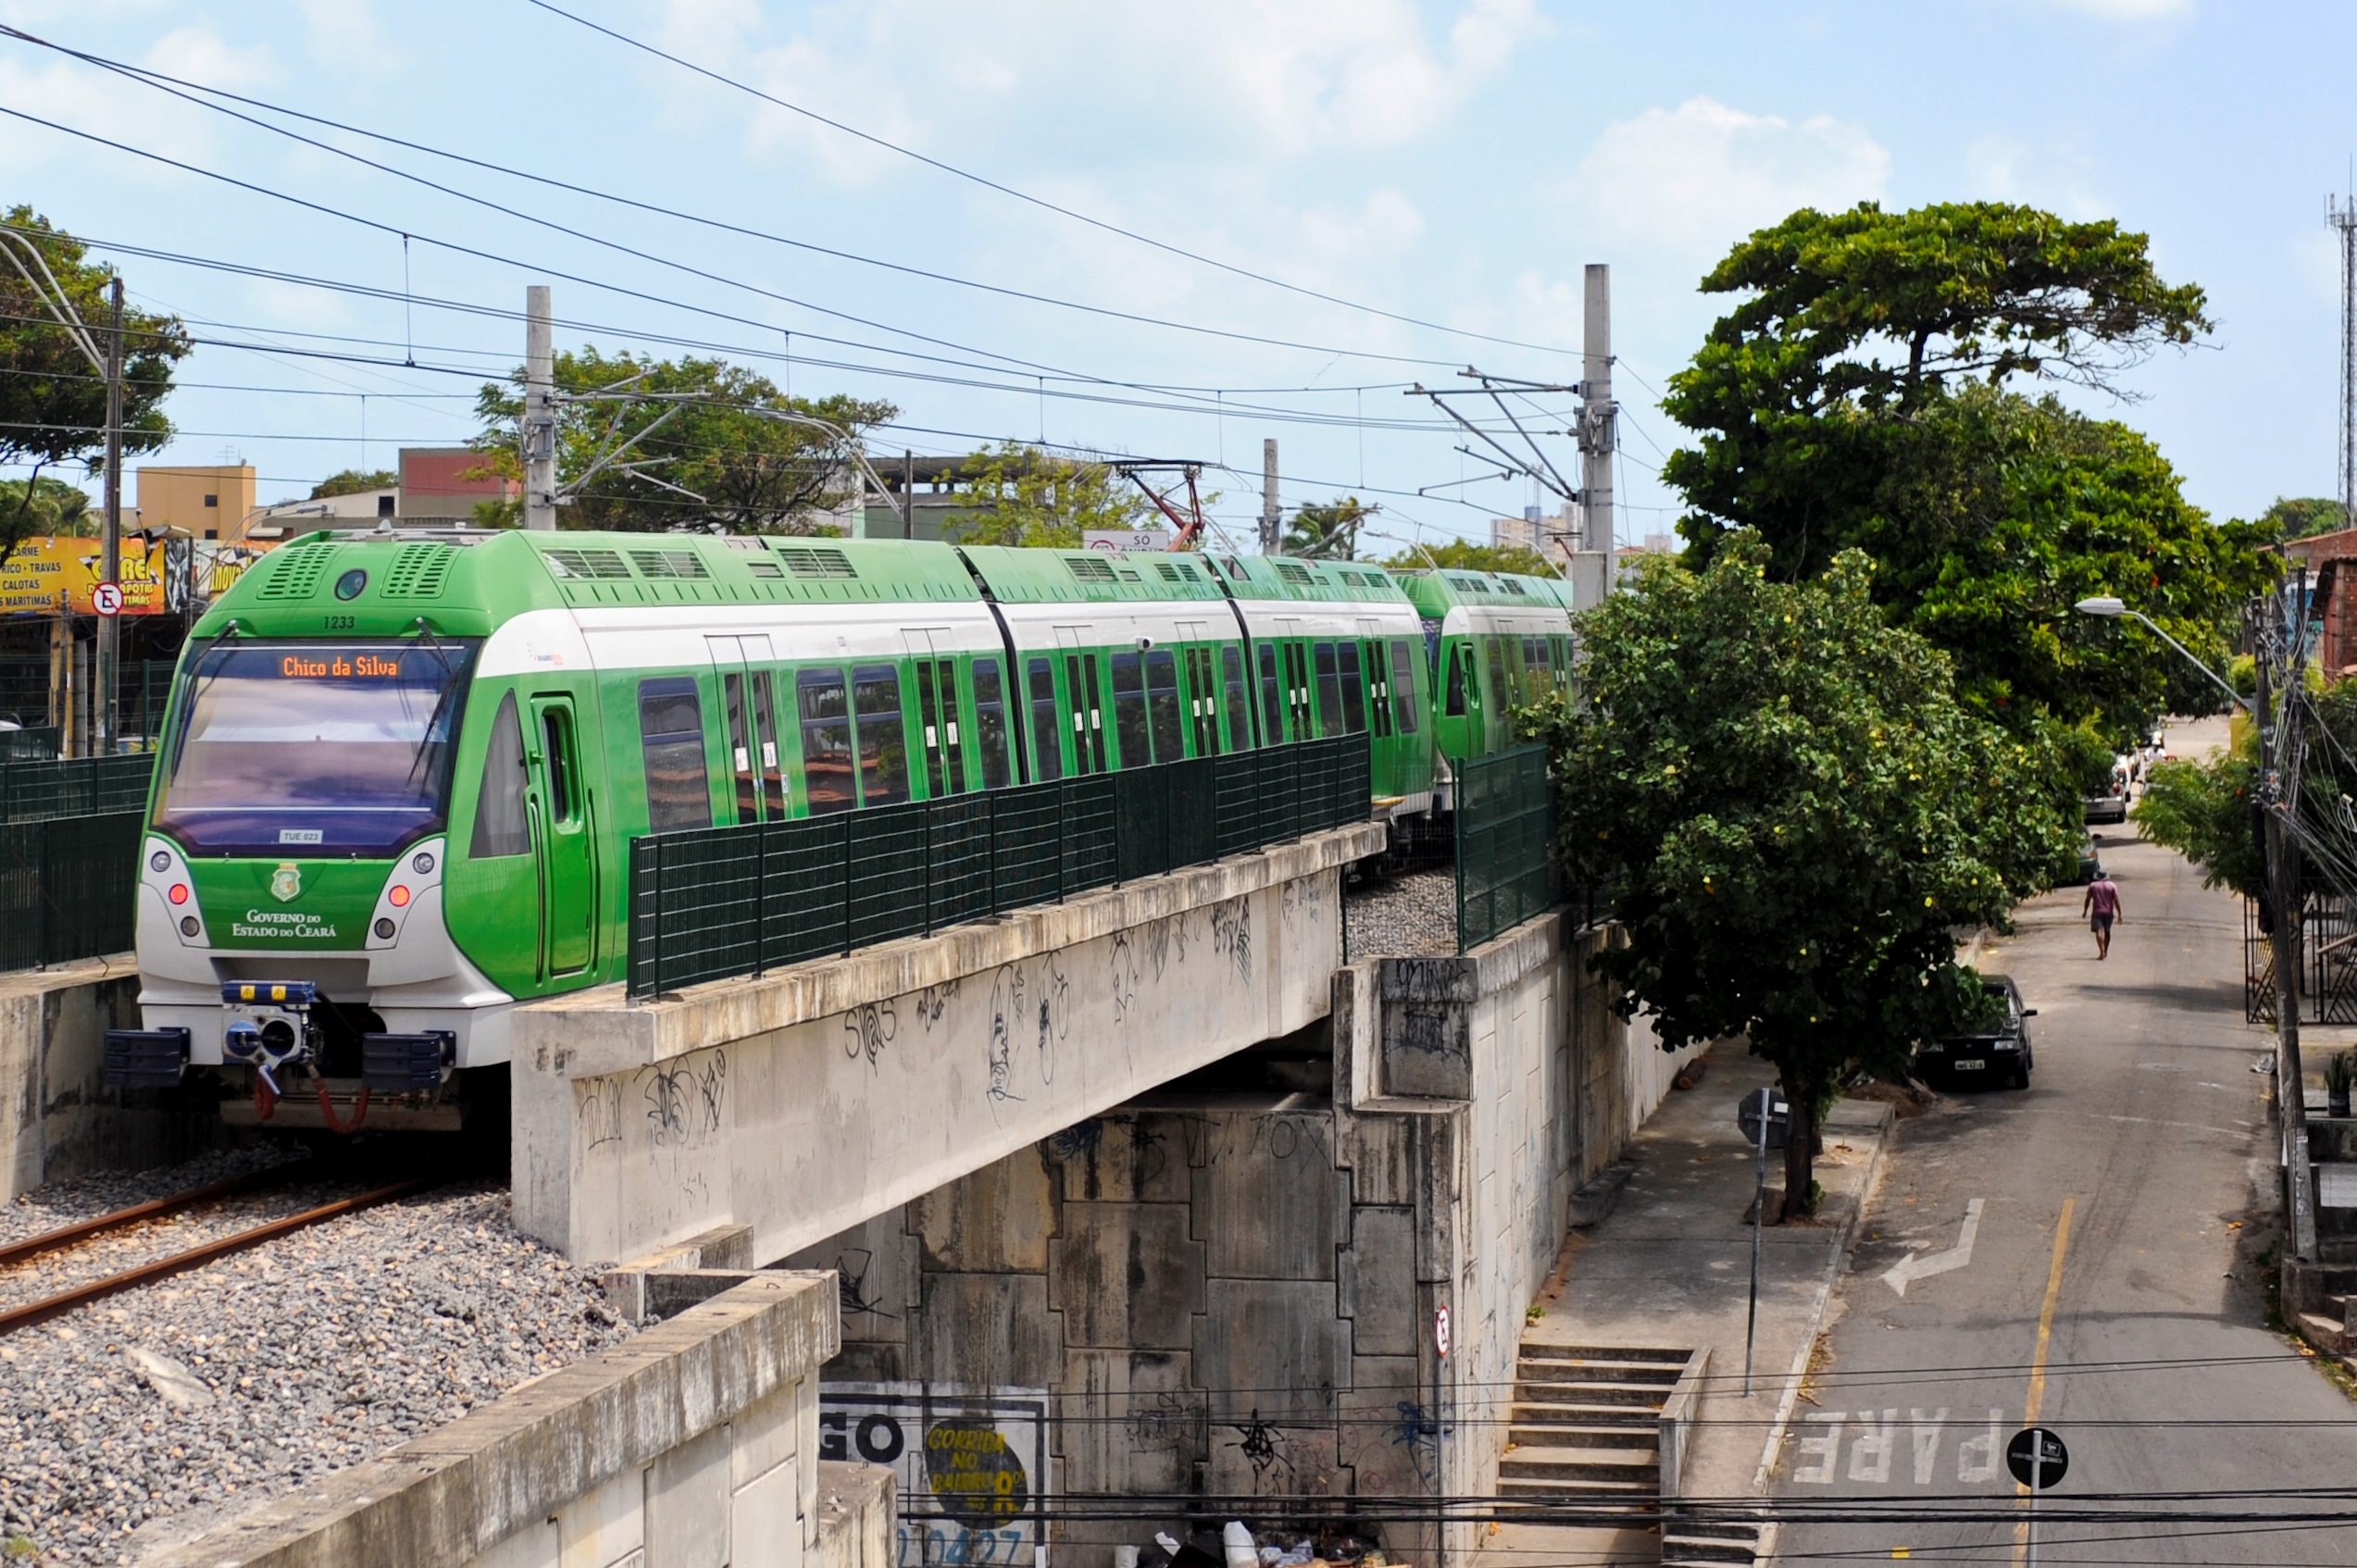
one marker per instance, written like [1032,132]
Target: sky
[1374,194]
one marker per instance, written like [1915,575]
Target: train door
[1203,700]
[930,652]
[749,710]
[1378,685]
[562,837]
[1088,710]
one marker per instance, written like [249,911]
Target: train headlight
[398,898]
[188,926]
[385,927]
[179,893]
[159,861]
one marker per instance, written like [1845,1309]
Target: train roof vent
[418,571]
[1187,571]
[1089,568]
[668,563]
[815,560]
[1294,572]
[585,562]
[295,570]
[1169,571]
[1513,587]
[1471,584]
[1128,576]
[765,568]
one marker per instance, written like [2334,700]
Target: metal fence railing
[68,887]
[1505,823]
[713,903]
[33,791]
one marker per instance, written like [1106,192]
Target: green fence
[68,887]
[1506,867]
[34,792]
[720,901]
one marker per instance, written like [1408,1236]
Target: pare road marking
[1879,1436]
[1922,1265]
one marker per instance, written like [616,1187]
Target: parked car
[2000,1054]
[2090,865]
[2106,807]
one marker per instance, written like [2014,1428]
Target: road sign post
[2038,1459]
[1763,1115]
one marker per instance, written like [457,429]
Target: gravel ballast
[1413,916]
[194,1399]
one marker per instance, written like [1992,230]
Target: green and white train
[402,771]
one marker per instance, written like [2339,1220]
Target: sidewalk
[1671,1266]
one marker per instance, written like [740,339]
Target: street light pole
[111,545]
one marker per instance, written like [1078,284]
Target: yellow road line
[2036,1400]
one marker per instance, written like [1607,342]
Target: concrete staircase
[1587,1422]
[1590,1423]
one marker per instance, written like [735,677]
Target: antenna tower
[2341,214]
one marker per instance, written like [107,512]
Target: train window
[929,720]
[826,741]
[556,737]
[953,740]
[678,791]
[1501,690]
[740,747]
[1353,689]
[1129,710]
[1272,697]
[1047,739]
[764,714]
[1454,708]
[883,751]
[1329,690]
[499,805]
[1239,724]
[1403,685]
[990,723]
[1161,705]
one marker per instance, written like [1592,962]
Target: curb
[1765,1551]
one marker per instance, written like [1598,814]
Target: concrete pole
[538,433]
[110,561]
[2283,890]
[1272,517]
[1598,435]
[907,493]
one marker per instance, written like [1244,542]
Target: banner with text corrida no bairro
[972,1468]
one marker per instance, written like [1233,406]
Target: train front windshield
[314,749]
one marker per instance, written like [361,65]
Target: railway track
[65,1238]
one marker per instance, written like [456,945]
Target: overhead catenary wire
[1040,202]
[202,96]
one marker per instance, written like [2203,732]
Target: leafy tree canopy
[1024,494]
[52,401]
[52,508]
[688,444]
[1855,400]
[1328,530]
[2301,517]
[355,481]
[1793,810]
[1463,555]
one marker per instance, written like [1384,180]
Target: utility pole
[907,493]
[111,545]
[2342,215]
[538,433]
[2278,738]
[1598,432]
[1272,519]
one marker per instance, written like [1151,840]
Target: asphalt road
[2137,1332]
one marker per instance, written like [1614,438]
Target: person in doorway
[2101,907]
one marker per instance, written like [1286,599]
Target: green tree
[2301,517]
[2205,810]
[1793,811]
[1328,530]
[1023,495]
[355,481]
[1464,555]
[53,508]
[53,402]
[1854,398]
[686,443]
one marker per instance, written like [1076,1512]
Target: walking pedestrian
[2101,907]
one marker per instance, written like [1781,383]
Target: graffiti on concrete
[868,1029]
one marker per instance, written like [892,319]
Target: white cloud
[106,105]
[2057,175]
[1697,178]
[346,35]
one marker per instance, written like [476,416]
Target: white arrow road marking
[1921,1265]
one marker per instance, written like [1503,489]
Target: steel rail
[65,1236]
[48,1307]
